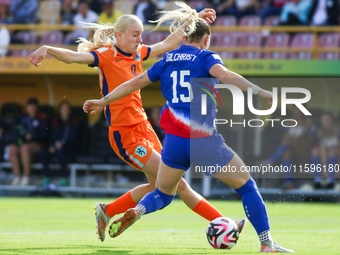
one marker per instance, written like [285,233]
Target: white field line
[152,231]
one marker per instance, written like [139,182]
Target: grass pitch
[67,226]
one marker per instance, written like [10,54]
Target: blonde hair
[104,34]
[181,16]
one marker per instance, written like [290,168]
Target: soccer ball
[222,233]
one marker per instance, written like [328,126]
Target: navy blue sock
[332,161]
[278,153]
[154,201]
[254,206]
[316,161]
[288,175]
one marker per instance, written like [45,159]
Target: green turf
[67,226]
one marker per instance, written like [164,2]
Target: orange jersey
[115,70]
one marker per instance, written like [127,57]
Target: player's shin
[154,201]
[255,209]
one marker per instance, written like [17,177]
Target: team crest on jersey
[137,57]
[141,151]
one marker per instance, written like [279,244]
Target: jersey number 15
[184,84]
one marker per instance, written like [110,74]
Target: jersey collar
[187,47]
[123,52]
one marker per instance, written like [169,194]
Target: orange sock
[120,205]
[206,210]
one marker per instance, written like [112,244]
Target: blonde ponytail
[181,16]
[105,33]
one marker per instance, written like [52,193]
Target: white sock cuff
[141,208]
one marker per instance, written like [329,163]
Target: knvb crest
[137,57]
[141,151]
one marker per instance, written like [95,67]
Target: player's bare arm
[64,55]
[176,37]
[229,77]
[139,82]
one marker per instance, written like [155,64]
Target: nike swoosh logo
[117,60]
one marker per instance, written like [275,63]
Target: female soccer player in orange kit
[117,52]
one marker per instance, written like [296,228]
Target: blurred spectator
[5,41]
[238,8]
[218,5]
[67,13]
[326,155]
[10,114]
[32,136]
[5,18]
[154,121]
[63,140]
[324,13]
[24,11]
[94,5]
[271,8]
[5,15]
[84,15]
[295,147]
[108,14]
[295,12]
[145,10]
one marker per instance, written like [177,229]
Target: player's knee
[183,186]
[151,187]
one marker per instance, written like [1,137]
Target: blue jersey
[185,77]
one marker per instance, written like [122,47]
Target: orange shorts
[134,144]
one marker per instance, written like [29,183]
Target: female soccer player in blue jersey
[118,52]
[191,137]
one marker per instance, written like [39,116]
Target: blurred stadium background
[253,40]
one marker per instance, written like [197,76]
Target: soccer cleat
[275,248]
[102,219]
[121,224]
[241,224]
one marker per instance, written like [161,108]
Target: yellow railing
[264,29]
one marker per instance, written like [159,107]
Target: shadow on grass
[92,249]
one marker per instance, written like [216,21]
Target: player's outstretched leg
[121,224]
[102,219]
[253,205]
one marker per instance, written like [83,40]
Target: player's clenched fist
[93,106]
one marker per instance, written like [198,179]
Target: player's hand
[265,94]
[37,56]
[93,106]
[208,14]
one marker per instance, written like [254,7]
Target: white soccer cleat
[102,219]
[275,248]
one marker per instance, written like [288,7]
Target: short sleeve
[155,71]
[211,59]
[145,52]
[102,56]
